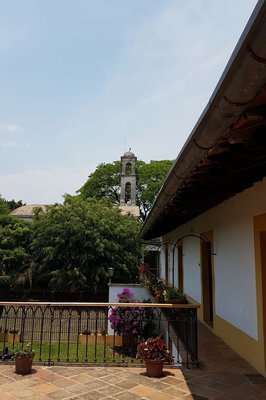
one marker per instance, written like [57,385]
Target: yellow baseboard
[244,345]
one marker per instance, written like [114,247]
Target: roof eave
[242,79]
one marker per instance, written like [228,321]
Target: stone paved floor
[222,375]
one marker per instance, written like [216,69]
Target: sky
[82,81]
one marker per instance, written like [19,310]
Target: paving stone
[221,375]
[93,395]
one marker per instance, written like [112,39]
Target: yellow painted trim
[200,313]
[260,226]
[240,342]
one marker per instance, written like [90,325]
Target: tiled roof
[28,210]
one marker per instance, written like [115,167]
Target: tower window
[128,169]
[128,193]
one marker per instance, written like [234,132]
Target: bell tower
[128,184]
[128,179]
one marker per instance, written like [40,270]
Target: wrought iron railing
[82,332]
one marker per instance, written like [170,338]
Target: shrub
[154,348]
[135,321]
[5,281]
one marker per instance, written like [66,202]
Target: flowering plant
[152,283]
[136,321]
[174,294]
[154,348]
[125,296]
[27,351]
[158,297]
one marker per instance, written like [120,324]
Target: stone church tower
[128,184]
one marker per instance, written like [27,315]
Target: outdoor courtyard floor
[221,375]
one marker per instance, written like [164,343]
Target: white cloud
[9,144]
[12,144]
[10,128]
[14,131]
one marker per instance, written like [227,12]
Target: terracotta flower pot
[23,365]
[154,368]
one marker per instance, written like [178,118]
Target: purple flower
[129,320]
[125,296]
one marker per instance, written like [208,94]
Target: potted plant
[23,359]
[174,296]
[155,354]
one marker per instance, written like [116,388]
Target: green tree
[150,177]
[9,205]
[4,208]
[105,182]
[15,239]
[74,244]
[13,204]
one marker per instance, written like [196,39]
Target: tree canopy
[15,239]
[74,244]
[71,246]
[4,209]
[9,205]
[105,182]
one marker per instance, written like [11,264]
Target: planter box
[3,336]
[91,339]
[9,337]
[14,337]
[110,340]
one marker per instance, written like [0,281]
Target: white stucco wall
[140,292]
[234,262]
[170,264]
[191,264]
[162,263]
[175,267]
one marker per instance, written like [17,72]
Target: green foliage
[173,294]
[5,281]
[68,351]
[22,351]
[13,204]
[75,243]
[4,209]
[15,238]
[6,206]
[105,182]
[150,177]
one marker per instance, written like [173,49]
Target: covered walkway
[222,375]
